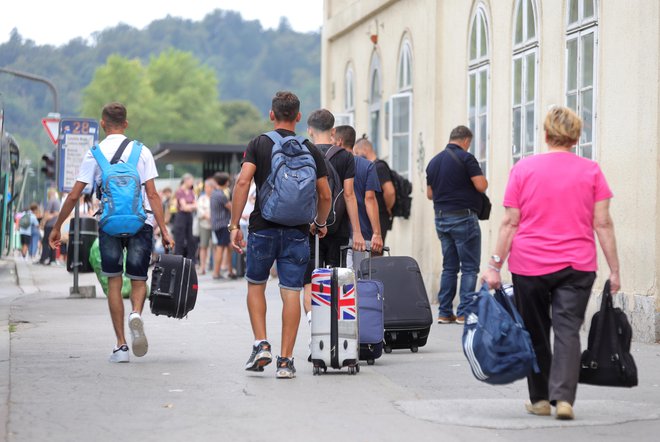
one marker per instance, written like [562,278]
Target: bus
[9,159]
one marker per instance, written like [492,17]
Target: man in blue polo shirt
[454,181]
[366,186]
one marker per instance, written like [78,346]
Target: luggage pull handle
[348,246]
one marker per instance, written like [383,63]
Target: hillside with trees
[206,81]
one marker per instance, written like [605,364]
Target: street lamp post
[170,169]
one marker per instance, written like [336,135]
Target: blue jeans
[138,254]
[289,246]
[460,237]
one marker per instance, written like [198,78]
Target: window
[348,116]
[375,97]
[525,79]
[478,73]
[581,49]
[400,114]
[405,67]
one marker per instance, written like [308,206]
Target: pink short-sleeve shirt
[556,194]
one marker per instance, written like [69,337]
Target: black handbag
[484,211]
[607,360]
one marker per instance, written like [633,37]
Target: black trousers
[184,241]
[47,254]
[556,300]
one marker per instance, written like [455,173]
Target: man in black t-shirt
[387,197]
[270,242]
[320,127]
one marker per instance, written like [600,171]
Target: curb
[9,292]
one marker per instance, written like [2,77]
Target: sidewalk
[191,385]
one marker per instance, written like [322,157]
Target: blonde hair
[562,126]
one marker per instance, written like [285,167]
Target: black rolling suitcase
[173,286]
[408,316]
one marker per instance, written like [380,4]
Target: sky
[56,22]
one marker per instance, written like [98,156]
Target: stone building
[405,72]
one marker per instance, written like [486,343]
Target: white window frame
[375,103]
[345,118]
[405,60]
[521,51]
[576,31]
[409,96]
[349,97]
[476,67]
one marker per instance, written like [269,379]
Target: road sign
[52,126]
[77,136]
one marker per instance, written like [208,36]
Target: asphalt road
[56,383]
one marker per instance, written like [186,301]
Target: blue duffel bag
[495,341]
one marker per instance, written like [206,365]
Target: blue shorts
[289,246]
[138,254]
[222,236]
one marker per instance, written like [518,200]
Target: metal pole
[47,82]
[76,248]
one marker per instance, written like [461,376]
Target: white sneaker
[138,338]
[119,354]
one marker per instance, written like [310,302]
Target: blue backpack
[122,211]
[495,341]
[288,196]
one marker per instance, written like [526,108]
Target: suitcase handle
[342,249]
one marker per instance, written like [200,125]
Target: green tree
[173,99]
[243,121]
[186,97]
[125,81]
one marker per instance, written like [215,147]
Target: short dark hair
[460,133]
[347,135]
[285,106]
[221,178]
[321,119]
[114,114]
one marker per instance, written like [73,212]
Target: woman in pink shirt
[554,203]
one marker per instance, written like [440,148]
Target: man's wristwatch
[231,227]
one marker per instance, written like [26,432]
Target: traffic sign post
[76,137]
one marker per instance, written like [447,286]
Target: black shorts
[329,254]
[25,240]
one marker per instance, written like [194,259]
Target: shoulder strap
[334,150]
[455,157]
[301,140]
[99,157]
[135,153]
[274,136]
[120,151]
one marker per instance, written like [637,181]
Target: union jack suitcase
[335,337]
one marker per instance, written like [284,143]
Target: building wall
[627,107]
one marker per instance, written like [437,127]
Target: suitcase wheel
[316,370]
[387,349]
[370,362]
[353,369]
[414,349]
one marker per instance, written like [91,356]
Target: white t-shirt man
[146,167]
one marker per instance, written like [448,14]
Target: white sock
[258,341]
[309,317]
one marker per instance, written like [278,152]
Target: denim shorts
[138,254]
[289,246]
[222,236]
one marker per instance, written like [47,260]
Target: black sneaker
[285,368]
[260,357]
